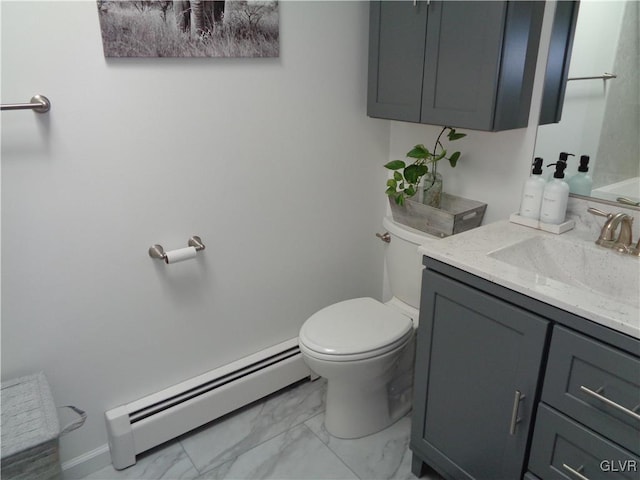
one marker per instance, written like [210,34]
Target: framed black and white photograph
[196,28]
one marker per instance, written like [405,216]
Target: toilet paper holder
[156,251]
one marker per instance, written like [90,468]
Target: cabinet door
[480,63]
[396,54]
[461,63]
[478,361]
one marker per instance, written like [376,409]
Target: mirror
[601,116]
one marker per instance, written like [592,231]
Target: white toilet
[365,348]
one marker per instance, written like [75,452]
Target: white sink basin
[581,265]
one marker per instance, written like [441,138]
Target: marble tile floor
[279,437]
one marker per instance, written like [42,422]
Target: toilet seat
[355,329]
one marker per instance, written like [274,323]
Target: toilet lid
[355,326]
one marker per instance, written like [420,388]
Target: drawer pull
[611,403]
[575,471]
[514,412]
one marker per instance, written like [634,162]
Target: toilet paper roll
[180,255]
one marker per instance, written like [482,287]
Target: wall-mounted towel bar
[38,103]
[172,256]
[605,76]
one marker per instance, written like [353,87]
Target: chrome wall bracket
[385,237]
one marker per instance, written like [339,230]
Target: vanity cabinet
[508,387]
[466,64]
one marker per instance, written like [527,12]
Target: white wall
[273,162]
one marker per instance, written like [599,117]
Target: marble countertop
[470,251]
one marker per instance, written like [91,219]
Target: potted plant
[406,180]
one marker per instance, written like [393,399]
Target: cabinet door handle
[514,412]
[575,471]
[611,403]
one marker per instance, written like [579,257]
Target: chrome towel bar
[605,76]
[38,103]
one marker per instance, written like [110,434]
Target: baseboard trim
[87,463]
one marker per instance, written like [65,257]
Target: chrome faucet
[611,226]
[607,238]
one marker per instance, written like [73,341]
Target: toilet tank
[403,262]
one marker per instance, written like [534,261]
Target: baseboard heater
[138,426]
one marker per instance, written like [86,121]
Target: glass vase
[432,189]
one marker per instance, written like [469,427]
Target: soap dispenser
[555,195]
[581,182]
[532,192]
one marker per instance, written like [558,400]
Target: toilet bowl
[365,348]
[356,346]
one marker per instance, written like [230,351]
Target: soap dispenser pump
[532,192]
[581,182]
[556,195]
[564,156]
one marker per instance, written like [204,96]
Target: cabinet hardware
[385,237]
[600,213]
[514,413]
[611,403]
[575,471]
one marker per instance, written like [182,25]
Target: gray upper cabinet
[466,64]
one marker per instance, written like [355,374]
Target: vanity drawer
[595,384]
[564,449]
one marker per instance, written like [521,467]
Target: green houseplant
[405,182]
